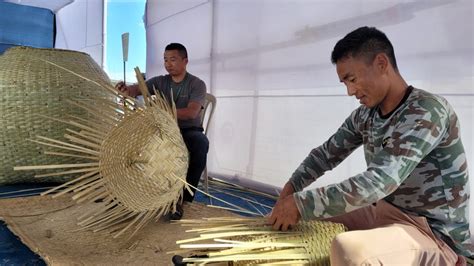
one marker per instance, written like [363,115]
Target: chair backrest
[208,111]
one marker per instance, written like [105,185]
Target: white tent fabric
[53,5]
[278,95]
[162,28]
[81,27]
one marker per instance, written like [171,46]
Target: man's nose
[351,90]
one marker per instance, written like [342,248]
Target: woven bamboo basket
[32,90]
[135,162]
[250,241]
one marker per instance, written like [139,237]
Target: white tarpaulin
[80,27]
[53,5]
[268,63]
[278,95]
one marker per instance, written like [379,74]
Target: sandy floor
[48,227]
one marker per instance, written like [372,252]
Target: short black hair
[366,42]
[177,46]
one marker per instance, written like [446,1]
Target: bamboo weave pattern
[31,91]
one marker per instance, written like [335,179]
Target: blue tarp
[12,250]
[26,25]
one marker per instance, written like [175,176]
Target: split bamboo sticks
[135,160]
[250,241]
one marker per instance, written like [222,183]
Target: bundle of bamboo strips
[250,241]
[135,160]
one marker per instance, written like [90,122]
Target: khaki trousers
[384,235]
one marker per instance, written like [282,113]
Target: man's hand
[131,91]
[285,214]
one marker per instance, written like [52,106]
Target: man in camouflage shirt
[412,202]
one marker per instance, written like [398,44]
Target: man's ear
[381,62]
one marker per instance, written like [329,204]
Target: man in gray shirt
[188,92]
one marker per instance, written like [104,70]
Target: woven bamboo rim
[250,241]
[33,89]
[136,161]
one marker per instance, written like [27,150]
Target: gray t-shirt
[191,88]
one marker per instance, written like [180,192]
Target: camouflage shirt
[415,161]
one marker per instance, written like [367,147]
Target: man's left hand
[285,214]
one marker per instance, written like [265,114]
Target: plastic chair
[206,115]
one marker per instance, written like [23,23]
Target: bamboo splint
[133,159]
[250,241]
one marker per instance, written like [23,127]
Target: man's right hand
[284,214]
[131,91]
[120,86]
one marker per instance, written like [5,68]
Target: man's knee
[198,143]
[347,249]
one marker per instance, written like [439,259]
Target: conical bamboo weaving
[249,241]
[136,162]
[32,89]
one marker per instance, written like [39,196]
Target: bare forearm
[134,91]
[186,114]
[287,190]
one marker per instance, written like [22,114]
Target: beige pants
[384,235]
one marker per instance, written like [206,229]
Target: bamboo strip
[209,195]
[81,141]
[83,170]
[22,195]
[241,196]
[66,144]
[227,234]
[144,221]
[90,215]
[99,113]
[70,155]
[80,184]
[235,210]
[104,86]
[53,166]
[218,182]
[217,228]
[70,182]
[79,125]
[240,245]
[63,147]
[108,216]
[88,185]
[102,127]
[92,186]
[98,194]
[137,218]
[249,257]
[85,136]
[142,87]
[287,262]
[261,213]
[108,225]
[23,190]
[97,107]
